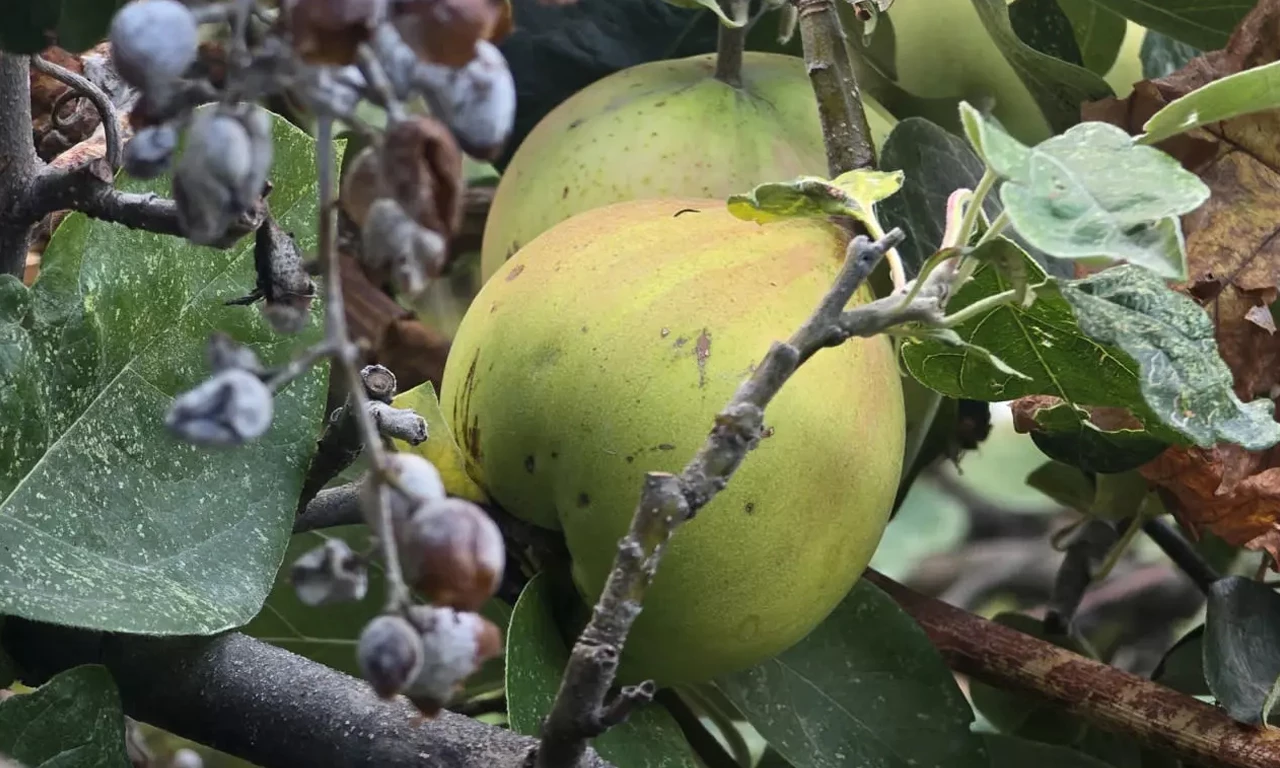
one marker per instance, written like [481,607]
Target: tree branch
[845,130]
[18,161]
[265,704]
[580,710]
[731,43]
[330,508]
[1109,698]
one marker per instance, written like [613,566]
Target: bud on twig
[398,423]
[453,553]
[379,383]
[329,573]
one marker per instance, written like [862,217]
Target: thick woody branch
[845,130]
[1104,696]
[265,704]
[581,709]
[18,161]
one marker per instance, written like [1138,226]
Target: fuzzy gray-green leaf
[109,522]
[1184,380]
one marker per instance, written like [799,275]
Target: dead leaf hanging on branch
[1233,255]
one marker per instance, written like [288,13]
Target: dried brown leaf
[1233,257]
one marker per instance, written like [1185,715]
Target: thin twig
[581,710]
[346,355]
[1104,696]
[330,508]
[731,42]
[1182,554]
[100,100]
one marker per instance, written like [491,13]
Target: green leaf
[1067,433]
[329,633]
[1043,26]
[710,5]
[1253,90]
[84,23]
[1041,341]
[1057,86]
[935,162]
[1063,483]
[865,688]
[1184,380]
[1099,33]
[28,25]
[950,338]
[850,194]
[72,721]
[1092,192]
[930,521]
[1162,55]
[1242,646]
[1182,667]
[123,527]
[1195,22]
[1013,752]
[536,657]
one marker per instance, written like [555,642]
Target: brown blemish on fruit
[680,342]
[576,123]
[515,272]
[630,459]
[473,440]
[565,193]
[530,464]
[584,500]
[512,250]
[749,507]
[493,307]
[584,329]
[701,351]
[555,454]
[666,447]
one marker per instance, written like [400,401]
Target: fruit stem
[731,43]
[845,130]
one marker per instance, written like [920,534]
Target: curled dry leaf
[361,185]
[75,119]
[1233,261]
[331,31]
[446,31]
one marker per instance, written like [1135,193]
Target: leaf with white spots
[74,719]
[865,688]
[106,520]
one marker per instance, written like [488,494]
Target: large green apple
[604,349]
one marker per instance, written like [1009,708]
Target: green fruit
[661,129]
[940,49]
[604,349]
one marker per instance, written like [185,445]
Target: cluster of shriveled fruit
[403,191]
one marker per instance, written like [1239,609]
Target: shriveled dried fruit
[232,407]
[149,152]
[153,42]
[453,553]
[422,169]
[417,476]
[222,171]
[330,573]
[362,184]
[331,31]
[446,31]
[390,654]
[395,247]
[454,645]
[478,101]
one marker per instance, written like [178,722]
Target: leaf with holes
[1241,93]
[865,688]
[1242,647]
[1069,433]
[1184,379]
[536,657]
[1092,193]
[106,520]
[74,719]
